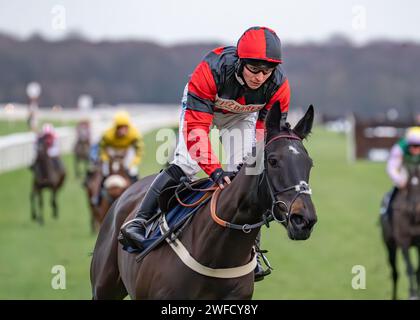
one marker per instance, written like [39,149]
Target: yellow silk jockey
[122,137]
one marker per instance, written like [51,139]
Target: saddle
[176,215]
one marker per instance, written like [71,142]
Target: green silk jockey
[405,152]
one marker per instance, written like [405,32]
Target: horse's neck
[48,171]
[250,195]
[250,189]
[238,203]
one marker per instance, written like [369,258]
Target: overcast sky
[174,21]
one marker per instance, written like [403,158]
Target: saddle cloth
[172,217]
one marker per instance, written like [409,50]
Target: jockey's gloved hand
[239,167]
[219,176]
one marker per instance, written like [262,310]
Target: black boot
[259,272]
[132,232]
[387,203]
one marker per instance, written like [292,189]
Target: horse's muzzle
[300,227]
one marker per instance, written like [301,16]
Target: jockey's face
[255,76]
[122,131]
[414,150]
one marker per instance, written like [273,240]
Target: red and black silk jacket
[216,87]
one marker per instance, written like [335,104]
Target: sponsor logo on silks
[235,106]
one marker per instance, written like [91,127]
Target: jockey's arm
[103,155]
[199,117]
[138,145]
[395,166]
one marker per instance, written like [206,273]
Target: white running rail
[17,150]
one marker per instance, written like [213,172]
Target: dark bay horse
[46,175]
[402,230]
[81,155]
[113,186]
[81,148]
[280,188]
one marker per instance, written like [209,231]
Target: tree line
[336,76]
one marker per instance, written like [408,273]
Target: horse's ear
[304,126]
[272,122]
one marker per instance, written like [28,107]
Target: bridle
[301,188]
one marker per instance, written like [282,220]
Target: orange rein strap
[213,205]
[243,227]
[190,205]
[208,193]
[214,193]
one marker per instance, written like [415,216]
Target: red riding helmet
[260,43]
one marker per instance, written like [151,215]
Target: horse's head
[116,161]
[117,180]
[287,167]
[413,172]
[42,147]
[43,162]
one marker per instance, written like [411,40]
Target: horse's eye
[272,162]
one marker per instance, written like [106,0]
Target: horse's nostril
[298,220]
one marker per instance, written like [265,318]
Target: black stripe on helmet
[273,45]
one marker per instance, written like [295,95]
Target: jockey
[232,88]
[49,137]
[122,136]
[405,151]
[83,131]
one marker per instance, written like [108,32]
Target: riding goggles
[256,70]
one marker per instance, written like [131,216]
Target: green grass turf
[346,196]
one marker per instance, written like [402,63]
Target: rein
[189,186]
[244,227]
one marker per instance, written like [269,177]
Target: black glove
[218,176]
[239,167]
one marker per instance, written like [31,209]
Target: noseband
[301,188]
[269,215]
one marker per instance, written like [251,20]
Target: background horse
[279,188]
[402,230]
[46,175]
[111,186]
[81,155]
